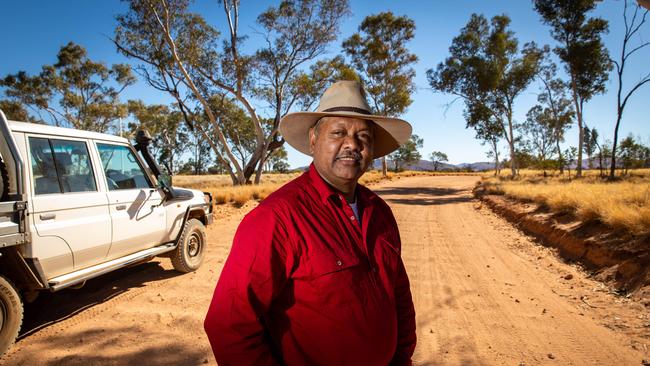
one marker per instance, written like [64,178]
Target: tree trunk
[581,135]
[612,169]
[559,156]
[600,162]
[513,159]
[511,143]
[384,167]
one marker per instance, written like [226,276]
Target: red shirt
[305,284]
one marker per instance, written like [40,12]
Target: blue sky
[36,30]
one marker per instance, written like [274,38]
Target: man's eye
[338,133]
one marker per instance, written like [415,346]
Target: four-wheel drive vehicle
[77,204]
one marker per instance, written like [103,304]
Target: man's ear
[312,140]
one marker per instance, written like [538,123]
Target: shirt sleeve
[254,273]
[406,336]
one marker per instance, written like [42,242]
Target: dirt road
[485,294]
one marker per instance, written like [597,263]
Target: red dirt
[484,292]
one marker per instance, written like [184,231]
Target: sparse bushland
[621,204]
[223,192]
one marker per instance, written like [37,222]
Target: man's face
[342,148]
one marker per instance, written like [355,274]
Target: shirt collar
[325,191]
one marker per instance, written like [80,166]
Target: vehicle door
[68,208]
[138,220]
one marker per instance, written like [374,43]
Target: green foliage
[277,162]
[540,134]
[557,112]
[170,140]
[308,87]
[407,153]
[590,143]
[75,91]
[438,157]
[487,71]
[380,55]
[295,32]
[569,157]
[183,55]
[632,154]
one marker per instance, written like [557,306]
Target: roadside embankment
[613,255]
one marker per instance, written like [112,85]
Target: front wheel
[11,314]
[188,255]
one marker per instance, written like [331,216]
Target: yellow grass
[622,204]
[220,185]
[224,192]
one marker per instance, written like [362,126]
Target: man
[314,276]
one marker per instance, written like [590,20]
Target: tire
[11,314]
[188,255]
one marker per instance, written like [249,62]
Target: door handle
[49,216]
[120,207]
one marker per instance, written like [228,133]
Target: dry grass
[622,204]
[224,192]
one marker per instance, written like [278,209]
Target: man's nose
[351,142]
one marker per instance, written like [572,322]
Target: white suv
[77,204]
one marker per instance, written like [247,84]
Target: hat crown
[344,95]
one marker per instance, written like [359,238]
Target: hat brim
[392,132]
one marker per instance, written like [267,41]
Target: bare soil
[485,294]
[612,255]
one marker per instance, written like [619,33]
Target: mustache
[349,154]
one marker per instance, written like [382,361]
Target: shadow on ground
[166,353]
[50,308]
[424,195]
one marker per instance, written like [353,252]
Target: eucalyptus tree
[182,54]
[557,109]
[74,92]
[380,55]
[307,87]
[438,157]
[407,153]
[582,51]
[487,70]
[590,144]
[540,135]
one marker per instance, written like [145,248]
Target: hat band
[348,109]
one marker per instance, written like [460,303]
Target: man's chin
[349,172]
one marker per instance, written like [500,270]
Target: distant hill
[426,165]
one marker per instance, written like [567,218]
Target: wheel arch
[15,268]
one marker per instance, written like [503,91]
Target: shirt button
[339,263]
[352,218]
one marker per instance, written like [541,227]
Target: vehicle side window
[61,166]
[121,167]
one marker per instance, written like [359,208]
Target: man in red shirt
[315,276]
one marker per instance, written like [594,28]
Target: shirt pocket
[335,280]
[327,262]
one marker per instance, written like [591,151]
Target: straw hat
[345,99]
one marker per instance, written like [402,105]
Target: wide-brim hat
[345,99]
